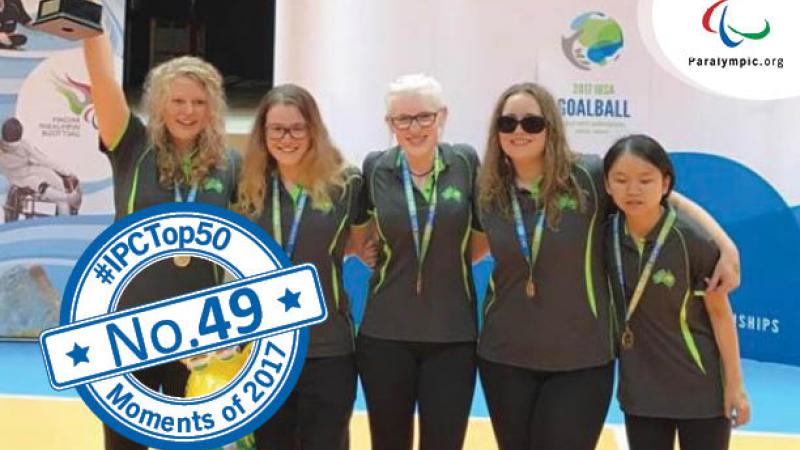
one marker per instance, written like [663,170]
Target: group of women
[563,295]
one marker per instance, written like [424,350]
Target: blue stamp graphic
[269,303]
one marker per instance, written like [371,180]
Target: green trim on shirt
[294,193]
[135,182]
[688,339]
[427,186]
[124,130]
[464,268]
[587,263]
[334,271]
[186,164]
[492,301]
[613,323]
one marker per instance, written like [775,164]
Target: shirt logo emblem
[452,193]
[566,201]
[664,277]
[213,184]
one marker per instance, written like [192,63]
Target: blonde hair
[322,166]
[209,143]
[417,83]
[497,172]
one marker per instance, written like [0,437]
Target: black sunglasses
[530,124]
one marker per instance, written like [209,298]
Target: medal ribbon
[421,248]
[190,197]
[651,260]
[529,251]
[277,232]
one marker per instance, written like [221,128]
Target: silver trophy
[69,19]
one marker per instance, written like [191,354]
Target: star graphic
[78,354]
[290,300]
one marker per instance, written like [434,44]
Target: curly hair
[210,142]
[323,164]
[497,172]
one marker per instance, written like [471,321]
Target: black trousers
[170,378]
[316,416]
[656,433]
[158,281]
[398,376]
[539,410]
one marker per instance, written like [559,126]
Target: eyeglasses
[530,124]
[296,131]
[404,121]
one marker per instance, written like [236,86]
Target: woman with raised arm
[179,155]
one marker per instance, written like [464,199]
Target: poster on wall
[725,103]
[55,186]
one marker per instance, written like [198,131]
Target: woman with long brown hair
[547,347]
[297,186]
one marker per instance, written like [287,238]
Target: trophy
[70,19]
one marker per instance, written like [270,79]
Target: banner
[55,186]
[737,158]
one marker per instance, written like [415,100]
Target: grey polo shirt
[568,324]
[444,311]
[673,369]
[136,186]
[320,241]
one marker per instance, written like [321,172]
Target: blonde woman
[547,347]
[416,345]
[296,185]
[178,155]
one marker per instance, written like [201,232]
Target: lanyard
[648,268]
[191,195]
[276,217]
[186,168]
[529,251]
[184,260]
[421,248]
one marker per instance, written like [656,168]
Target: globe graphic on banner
[594,40]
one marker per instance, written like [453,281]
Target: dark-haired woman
[547,347]
[679,359]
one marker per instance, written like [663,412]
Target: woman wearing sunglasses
[550,333]
[416,346]
[297,186]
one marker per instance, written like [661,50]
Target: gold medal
[530,288]
[181,260]
[627,338]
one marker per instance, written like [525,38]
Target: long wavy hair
[210,142]
[497,172]
[322,166]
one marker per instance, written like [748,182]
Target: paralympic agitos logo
[727,33]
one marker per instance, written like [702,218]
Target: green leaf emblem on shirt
[213,184]
[452,193]
[664,277]
[566,201]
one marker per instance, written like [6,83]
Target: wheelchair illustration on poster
[37,186]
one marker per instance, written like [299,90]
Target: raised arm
[110,105]
[727,276]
